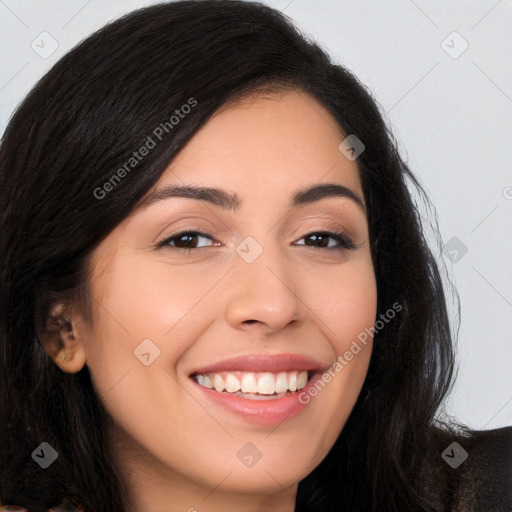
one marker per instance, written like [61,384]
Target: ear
[60,342]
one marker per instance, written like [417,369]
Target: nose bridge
[263,285]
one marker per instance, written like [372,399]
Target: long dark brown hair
[78,125]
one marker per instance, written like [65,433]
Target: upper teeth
[264,383]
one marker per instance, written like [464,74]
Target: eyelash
[345,243]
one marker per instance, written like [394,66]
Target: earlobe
[71,356]
[61,342]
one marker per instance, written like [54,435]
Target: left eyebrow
[228,201]
[317,192]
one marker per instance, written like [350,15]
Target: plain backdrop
[442,76]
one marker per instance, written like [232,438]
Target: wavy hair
[77,125]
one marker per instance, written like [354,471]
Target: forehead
[275,141]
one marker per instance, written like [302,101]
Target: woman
[168,344]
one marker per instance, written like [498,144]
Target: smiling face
[265,282]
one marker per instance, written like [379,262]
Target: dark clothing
[483,482]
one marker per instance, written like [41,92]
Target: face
[209,311]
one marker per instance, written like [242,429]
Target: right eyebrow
[215,196]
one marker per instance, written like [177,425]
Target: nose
[262,293]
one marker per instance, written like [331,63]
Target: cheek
[347,308]
[353,319]
[345,300]
[134,303]
[142,325]
[133,315]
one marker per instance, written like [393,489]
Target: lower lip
[261,412]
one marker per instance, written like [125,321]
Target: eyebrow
[228,201]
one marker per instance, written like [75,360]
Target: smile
[255,385]
[260,389]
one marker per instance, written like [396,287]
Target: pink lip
[262,412]
[264,363]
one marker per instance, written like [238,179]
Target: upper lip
[264,363]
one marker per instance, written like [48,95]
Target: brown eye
[186,240]
[320,240]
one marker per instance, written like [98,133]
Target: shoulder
[478,469]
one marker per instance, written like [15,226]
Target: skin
[175,450]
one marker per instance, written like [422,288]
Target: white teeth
[207,382]
[302,379]
[262,383]
[232,383]
[292,381]
[218,382]
[266,384]
[249,383]
[281,382]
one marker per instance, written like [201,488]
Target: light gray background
[451,116]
